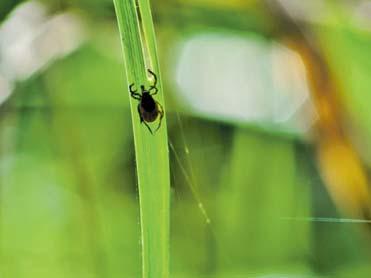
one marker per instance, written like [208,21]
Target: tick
[148,108]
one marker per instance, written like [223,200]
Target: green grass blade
[151,150]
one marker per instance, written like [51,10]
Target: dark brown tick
[148,108]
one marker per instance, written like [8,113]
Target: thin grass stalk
[152,161]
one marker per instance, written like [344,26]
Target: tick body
[148,108]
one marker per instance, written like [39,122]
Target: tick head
[146,95]
[142,88]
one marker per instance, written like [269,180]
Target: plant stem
[151,150]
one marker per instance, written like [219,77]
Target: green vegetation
[151,151]
[87,191]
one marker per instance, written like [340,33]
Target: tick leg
[142,121]
[154,77]
[134,93]
[161,112]
[150,130]
[140,115]
[153,87]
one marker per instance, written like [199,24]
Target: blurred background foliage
[267,108]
